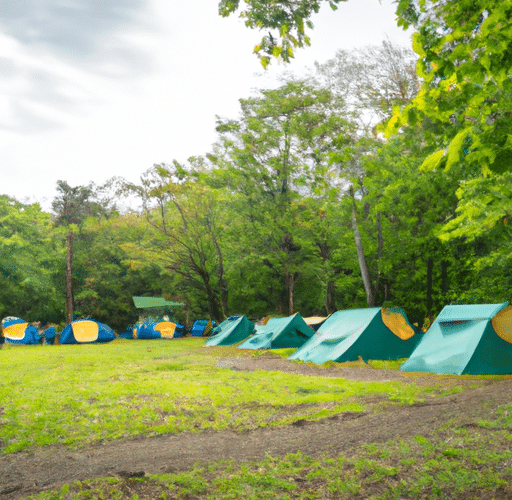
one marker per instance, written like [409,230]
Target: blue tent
[158,330]
[230,331]
[199,326]
[18,331]
[86,331]
[466,339]
[372,333]
[49,335]
[279,333]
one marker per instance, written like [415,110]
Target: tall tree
[183,214]
[71,207]
[372,80]
[273,155]
[29,259]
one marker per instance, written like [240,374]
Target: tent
[86,331]
[466,339]
[199,327]
[230,331]
[315,322]
[279,333]
[18,331]
[156,330]
[50,335]
[372,333]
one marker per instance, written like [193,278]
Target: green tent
[466,339]
[279,333]
[230,331]
[372,333]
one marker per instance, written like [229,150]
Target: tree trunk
[223,284]
[430,266]
[330,289]
[214,308]
[330,297]
[365,273]
[69,277]
[445,284]
[290,282]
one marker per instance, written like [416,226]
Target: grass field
[80,395]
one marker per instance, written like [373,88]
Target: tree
[71,207]
[465,101]
[273,156]
[286,19]
[372,80]
[183,214]
[28,262]
[465,50]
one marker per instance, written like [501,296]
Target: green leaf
[455,148]
[432,162]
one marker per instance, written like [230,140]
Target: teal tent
[279,333]
[230,331]
[466,339]
[372,333]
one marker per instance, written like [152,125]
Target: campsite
[176,418]
[314,305]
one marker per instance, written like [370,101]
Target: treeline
[300,206]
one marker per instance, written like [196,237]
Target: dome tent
[371,333]
[86,331]
[279,333]
[466,339]
[231,331]
[157,330]
[18,331]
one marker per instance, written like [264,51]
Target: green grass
[76,395]
[422,468]
[80,394]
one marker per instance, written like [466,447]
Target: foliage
[287,20]
[28,263]
[372,80]
[465,98]
[275,161]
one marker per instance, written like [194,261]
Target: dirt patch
[26,473]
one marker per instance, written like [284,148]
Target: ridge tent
[279,333]
[155,330]
[466,339]
[230,331]
[371,333]
[86,331]
[19,331]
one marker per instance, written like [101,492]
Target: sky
[93,89]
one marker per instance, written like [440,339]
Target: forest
[381,179]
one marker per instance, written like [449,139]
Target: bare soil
[26,473]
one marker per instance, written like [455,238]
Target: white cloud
[143,86]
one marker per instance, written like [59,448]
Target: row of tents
[83,331]
[464,339]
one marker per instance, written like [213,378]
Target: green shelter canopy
[152,302]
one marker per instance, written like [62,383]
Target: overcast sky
[92,89]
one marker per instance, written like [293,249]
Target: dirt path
[26,473]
